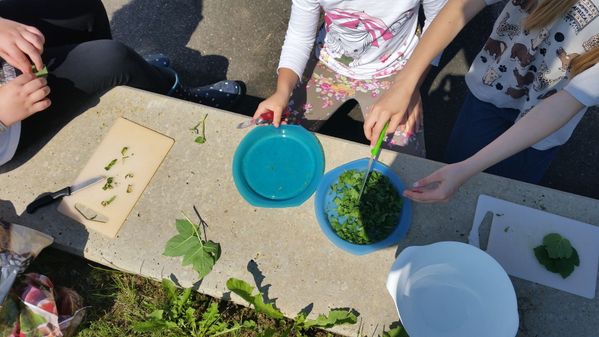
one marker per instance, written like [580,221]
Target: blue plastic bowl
[324,200]
[278,167]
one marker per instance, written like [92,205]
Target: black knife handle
[47,199]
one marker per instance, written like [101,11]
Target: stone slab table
[282,250]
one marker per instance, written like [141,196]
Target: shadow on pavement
[151,26]
[39,129]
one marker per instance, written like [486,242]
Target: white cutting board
[146,151]
[516,230]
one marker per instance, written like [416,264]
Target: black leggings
[80,55]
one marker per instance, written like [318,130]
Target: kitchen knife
[374,153]
[51,197]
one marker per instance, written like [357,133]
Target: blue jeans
[478,124]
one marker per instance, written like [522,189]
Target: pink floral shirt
[360,39]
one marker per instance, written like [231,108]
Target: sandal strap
[177,83]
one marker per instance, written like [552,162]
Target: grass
[117,300]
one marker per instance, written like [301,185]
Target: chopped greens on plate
[110,165]
[370,219]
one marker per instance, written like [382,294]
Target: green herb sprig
[108,201]
[201,139]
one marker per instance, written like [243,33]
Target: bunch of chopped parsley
[369,219]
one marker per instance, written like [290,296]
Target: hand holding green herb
[40,73]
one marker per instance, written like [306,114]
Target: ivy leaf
[557,246]
[202,255]
[335,317]
[244,290]
[200,139]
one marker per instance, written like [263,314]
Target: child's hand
[440,185]
[275,103]
[20,45]
[22,97]
[414,115]
[397,108]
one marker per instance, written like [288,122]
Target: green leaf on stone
[557,246]
[201,255]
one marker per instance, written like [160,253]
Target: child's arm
[295,53]
[278,101]
[549,115]
[392,107]
[544,119]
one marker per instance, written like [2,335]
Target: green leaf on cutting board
[200,254]
[558,247]
[544,259]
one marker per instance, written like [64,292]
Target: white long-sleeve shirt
[9,139]
[361,39]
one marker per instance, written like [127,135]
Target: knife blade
[53,196]
[374,154]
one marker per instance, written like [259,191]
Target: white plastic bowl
[452,289]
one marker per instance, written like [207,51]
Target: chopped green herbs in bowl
[370,218]
[380,218]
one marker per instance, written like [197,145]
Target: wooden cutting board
[516,230]
[131,173]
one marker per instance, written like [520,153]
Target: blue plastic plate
[324,201]
[278,167]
